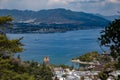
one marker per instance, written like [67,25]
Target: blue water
[60,47]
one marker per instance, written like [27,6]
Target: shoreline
[54,32]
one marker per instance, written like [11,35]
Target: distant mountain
[55,16]
[112,17]
[52,20]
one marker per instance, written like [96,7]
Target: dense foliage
[14,68]
[9,46]
[5,22]
[88,57]
[10,71]
[110,37]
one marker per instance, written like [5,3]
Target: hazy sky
[106,7]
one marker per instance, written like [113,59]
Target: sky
[104,7]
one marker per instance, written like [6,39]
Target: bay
[59,47]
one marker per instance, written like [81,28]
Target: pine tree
[8,46]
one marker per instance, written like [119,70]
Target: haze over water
[59,47]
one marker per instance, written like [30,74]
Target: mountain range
[54,20]
[55,16]
[110,17]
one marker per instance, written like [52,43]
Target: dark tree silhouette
[110,37]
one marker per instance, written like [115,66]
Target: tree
[9,71]
[7,46]
[104,75]
[5,22]
[110,37]
[13,68]
[89,56]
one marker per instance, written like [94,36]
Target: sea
[59,47]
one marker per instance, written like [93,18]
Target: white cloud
[24,4]
[92,6]
[56,1]
[69,1]
[114,1]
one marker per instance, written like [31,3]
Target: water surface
[60,47]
